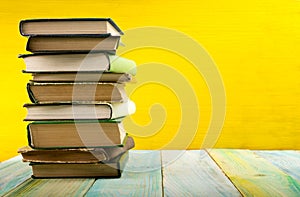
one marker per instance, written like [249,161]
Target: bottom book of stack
[83,162]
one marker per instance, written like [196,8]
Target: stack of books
[78,98]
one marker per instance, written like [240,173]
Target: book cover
[77,62]
[76,92]
[109,169]
[31,27]
[73,43]
[78,111]
[76,135]
[74,155]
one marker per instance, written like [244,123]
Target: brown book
[76,135]
[78,111]
[82,77]
[72,43]
[75,92]
[75,155]
[69,26]
[112,169]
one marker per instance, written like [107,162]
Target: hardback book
[72,43]
[74,155]
[61,77]
[76,92]
[109,169]
[76,134]
[69,26]
[79,111]
[77,62]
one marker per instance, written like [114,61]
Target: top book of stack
[71,35]
[71,26]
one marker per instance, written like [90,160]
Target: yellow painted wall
[255,44]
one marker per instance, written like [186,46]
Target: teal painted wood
[194,173]
[52,187]
[13,172]
[141,177]
[288,161]
[254,175]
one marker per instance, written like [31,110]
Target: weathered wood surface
[52,187]
[194,173]
[12,173]
[254,175]
[141,177]
[287,161]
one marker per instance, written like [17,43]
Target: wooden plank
[194,173]
[253,175]
[288,161]
[13,172]
[141,177]
[52,187]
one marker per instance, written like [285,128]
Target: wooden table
[218,172]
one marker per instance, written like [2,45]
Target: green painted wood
[141,177]
[253,175]
[194,173]
[52,187]
[12,173]
[288,161]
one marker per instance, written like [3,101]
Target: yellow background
[255,44]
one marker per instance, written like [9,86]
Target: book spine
[29,138]
[108,59]
[30,94]
[111,112]
[28,44]
[21,28]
